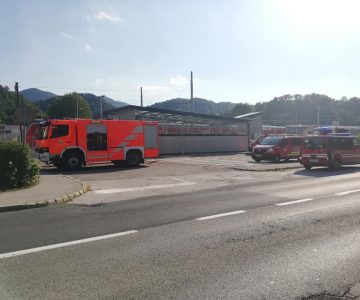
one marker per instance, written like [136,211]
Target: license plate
[313,160]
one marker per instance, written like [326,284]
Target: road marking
[66,244]
[221,215]
[347,192]
[145,188]
[294,202]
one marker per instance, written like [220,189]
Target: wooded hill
[299,109]
[284,110]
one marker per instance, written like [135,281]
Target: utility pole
[101,107]
[141,97]
[318,115]
[21,110]
[191,92]
[77,108]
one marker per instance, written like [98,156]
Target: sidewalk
[52,189]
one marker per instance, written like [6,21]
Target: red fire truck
[70,144]
[330,150]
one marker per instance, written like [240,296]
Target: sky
[239,51]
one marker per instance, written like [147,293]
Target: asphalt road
[286,237]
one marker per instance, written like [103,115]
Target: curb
[267,169]
[60,200]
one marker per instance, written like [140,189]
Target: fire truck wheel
[277,158]
[133,158]
[257,159]
[307,167]
[72,161]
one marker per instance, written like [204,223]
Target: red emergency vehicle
[72,143]
[277,147]
[330,151]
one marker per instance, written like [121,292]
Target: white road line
[66,244]
[221,215]
[144,188]
[347,192]
[294,202]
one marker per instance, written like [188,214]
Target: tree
[242,109]
[11,113]
[66,107]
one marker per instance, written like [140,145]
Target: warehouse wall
[177,144]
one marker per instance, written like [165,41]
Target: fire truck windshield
[271,140]
[314,143]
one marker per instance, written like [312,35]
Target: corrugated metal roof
[166,113]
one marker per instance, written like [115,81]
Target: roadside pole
[21,111]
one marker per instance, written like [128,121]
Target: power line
[178,96]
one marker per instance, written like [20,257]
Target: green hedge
[17,167]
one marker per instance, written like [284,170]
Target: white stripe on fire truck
[131,137]
[138,129]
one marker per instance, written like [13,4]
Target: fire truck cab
[330,150]
[70,144]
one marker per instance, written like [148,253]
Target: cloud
[87,47]
[67,36]
[105,17]
[108,82]
[99,81]
[178,80]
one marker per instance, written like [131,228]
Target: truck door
[285,148]
[151,140]
[97,143]
[295,147]
[59,138]
[345,150]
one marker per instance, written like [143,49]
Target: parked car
[276,148]
[331,151]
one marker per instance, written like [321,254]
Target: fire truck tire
[133,158]
[335,165]
[307,167]
[277,158]
[71,161]
[257,159]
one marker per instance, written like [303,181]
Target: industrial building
[186,132]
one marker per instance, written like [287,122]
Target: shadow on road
[326,172]
[93,169]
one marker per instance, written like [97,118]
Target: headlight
[270,150]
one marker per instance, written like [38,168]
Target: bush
[17,167]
